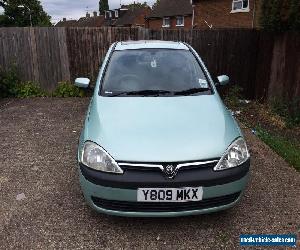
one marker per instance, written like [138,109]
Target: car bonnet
[161,129]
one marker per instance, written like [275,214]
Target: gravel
[42,206]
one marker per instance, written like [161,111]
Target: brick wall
[156,24]
[217,13]
[140,20]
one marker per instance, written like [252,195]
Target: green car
[157,140]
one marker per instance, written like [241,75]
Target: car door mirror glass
[223,80]
[82,82]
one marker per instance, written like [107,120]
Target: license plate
[170,194]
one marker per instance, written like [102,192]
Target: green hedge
[12,86]
[66,89]
[9,80]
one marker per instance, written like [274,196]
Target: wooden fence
[265,65]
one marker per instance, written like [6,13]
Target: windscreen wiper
[191,91]
[141,93]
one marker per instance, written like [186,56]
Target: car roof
[151,44]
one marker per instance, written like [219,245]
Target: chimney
[88,15]
[64,19]
[95,13]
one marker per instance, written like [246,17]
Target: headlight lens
[95,157]
[236,154]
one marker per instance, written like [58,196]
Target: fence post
[142,33]
[146,34]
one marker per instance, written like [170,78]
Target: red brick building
[133,17]
[226,13]
[87,21]
[171,14]
[126,16]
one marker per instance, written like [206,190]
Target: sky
[74,9]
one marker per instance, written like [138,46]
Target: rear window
[152,69]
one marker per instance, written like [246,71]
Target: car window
[172,71]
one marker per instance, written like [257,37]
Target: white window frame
[241,9]
[110,14]
[180,25]
[116,14]
[164,25]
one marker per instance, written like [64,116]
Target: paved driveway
[37,159]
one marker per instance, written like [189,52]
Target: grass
[277,123]
[282,146]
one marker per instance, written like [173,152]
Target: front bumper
[120,198]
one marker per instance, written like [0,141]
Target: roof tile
[172,8]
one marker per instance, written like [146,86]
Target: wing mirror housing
[223,80]
[82,82]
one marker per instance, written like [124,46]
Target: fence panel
[16,49]
[231,52]
[87,47]
[38,53]
[285,67]
[265,65]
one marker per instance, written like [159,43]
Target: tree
[23,13]
[294,15]
[3,20]
[103,6]
[137,5]
[155,4]
[280,15]
[271,15]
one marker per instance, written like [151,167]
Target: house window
[166,22]
[116,14]
[240,6]
[180,21]
[108,14]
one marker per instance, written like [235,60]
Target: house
[66,23]
[211,14]
[133,17]
[127,16]
[87,21]
[171,14]
[110,16]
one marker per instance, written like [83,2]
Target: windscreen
[172,71]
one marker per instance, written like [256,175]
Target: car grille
[129,206]
[159,167]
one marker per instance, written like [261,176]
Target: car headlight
[95,157]
[236,154]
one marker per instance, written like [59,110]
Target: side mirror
[223,80]
[82,82]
